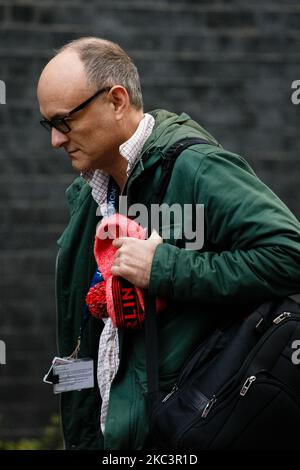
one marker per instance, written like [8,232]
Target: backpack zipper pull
[174,389]
[208,407]
[247,385]
[281,317]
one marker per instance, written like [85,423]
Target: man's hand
[133,259]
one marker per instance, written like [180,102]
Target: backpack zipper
[247,384]
[245,387]
[281,317]
[181,375]
[209,406]
[249,380]
[174,389]
[223,391]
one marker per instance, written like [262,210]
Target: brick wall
[230,64]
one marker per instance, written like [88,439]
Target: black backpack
[240,389]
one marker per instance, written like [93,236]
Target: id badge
[67,374]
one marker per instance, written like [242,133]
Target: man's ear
[120,100]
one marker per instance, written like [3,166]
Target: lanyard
[113,192]
[112,207]
[86,315]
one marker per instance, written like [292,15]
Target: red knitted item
[123,302]
[124,305]
[96,300]
[109,229]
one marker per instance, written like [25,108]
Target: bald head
[107,64]
[61,83]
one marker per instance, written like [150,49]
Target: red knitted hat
[115,296]
[109,229]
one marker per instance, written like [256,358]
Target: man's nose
[58,138]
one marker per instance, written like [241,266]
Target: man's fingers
[118,242]
[115,270]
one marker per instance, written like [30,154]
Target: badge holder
[70,373]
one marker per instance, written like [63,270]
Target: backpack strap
[151,336]
[169,159]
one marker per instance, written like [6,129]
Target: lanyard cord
[112,206]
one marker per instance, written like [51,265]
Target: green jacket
[251,253]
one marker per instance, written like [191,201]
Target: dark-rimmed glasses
[60,123]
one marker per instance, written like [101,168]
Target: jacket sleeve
[256,241]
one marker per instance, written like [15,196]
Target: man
[90,98]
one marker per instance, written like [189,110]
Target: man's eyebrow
[55,116]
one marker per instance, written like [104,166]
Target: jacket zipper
[56,298]
[57,342]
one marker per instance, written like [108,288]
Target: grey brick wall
[230,64]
